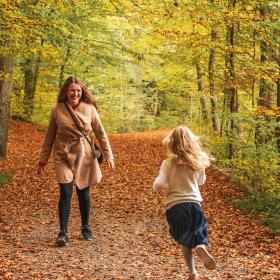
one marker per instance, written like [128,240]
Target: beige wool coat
[73,156]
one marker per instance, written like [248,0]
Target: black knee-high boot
[64,205]
[84,205]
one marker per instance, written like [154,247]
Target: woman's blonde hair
[186,148]
[86,94]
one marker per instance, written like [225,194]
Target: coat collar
[74,115]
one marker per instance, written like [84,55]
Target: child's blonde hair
[186,148]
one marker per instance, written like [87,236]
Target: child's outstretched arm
[161,179]
[201,177]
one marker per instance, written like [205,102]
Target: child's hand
[156,185]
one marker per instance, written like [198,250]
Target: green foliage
[256,168]
[3,179]
[44,102]
[264,208]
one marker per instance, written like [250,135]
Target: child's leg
[188,256]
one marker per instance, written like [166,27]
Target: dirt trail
[131,239]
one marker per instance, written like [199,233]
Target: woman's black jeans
[64,205]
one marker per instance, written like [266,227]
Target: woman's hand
[111,165]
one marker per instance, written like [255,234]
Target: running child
[182,172]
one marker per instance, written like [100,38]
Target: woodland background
[213,65]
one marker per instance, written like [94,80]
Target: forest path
[131,239]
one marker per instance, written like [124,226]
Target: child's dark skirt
[188,225]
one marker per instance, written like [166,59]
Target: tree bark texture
[278,117]
[254,62]
[264,96]
[264,92]
[231,94]
[201,90]
[211,77]
[62,67]
[31,69]
[6,70]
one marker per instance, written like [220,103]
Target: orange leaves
[131,239]
[267,112]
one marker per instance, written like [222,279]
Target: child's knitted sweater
[182,182]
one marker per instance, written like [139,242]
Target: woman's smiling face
[74,94]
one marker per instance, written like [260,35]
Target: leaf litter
[131,239]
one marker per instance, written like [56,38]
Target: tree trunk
[28,99]
[211,79]
[6,70]
[37,68]
[156,103]
[264,98]
[224,116]
[254,62]
[230,87]
[264,95]
[201,90]
[31,72]
[62,67]
[278,117]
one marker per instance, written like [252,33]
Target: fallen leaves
[131,239]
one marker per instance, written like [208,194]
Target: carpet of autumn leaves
[127,219]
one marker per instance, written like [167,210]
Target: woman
[73,156]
